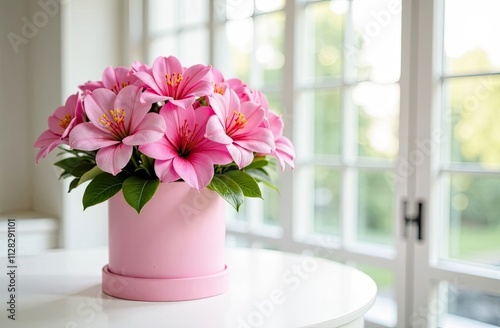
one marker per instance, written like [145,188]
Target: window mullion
[289,100]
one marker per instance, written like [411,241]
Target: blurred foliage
[326,47]
[327,125]
[375,203]
[326,200]
[473,113]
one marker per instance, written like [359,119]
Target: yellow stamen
[64,122]
[218,89]
[240,120]
[116,88]
[173,80]
[118,115]
[115,125]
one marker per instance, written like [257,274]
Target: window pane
[193,12]
[275,102]
[327,122]
[469,31]
[378,116]
[269,5]
[182,46]
[375,52]
[319,131]
[194,47]
[326,200]
[375,210]
[165,15]
[162,15]
[233,48]
[472,104]
[467,308]
[474,226]
[271,205]
[269,34]
[165,46]
[237,9]
[321,57]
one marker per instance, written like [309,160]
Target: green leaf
[73,184]
[74,166]
[247,183]
[90,174]
[147,164]
[261,175]
[258,162]
[137,191]
[103,187]
[228,189]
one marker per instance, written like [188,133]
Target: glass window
[470,159]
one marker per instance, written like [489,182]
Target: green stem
[134,162]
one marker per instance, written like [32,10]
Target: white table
[62,289]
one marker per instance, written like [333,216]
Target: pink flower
[170,81]
[247,94]
[64,119]
[117,123]
[90,86]
[220,85]
[114,79]
[284,152]
[184,153]
[241,89]
[237,126]
[117,78]
[137,66]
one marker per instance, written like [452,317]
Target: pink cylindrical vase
[172,251]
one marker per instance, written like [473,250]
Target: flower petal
[165,171]
[241,156]
[113,159]
[46,138]
[160,150]
[129,99]
[218,153]
[259,140]
[55,119]
[216,132]
[197,169]
[98,103]
[195,81]
[254,114]
[163,66]
[47,141]
[151,129]
[150,96]
[148,80]
[284,152]
[91,86]
[87,136]
[218,104]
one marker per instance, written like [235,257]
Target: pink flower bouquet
[142,126]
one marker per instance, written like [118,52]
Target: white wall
[91,40]
[63,43]
[15,124]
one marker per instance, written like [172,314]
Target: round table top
[267,289]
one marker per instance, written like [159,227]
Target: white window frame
[413,263]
